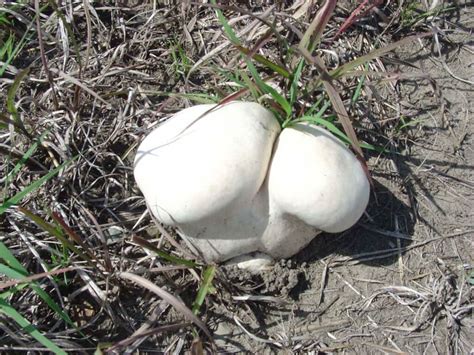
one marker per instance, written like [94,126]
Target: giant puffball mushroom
[235,185]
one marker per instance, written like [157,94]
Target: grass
[81,265]
[10,43]
[286,107]
[14,269]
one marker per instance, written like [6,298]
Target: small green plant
[181,62]
[13,269]
[11,44]
[206,287]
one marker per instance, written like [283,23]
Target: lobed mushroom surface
[237,186]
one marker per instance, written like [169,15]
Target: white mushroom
[211,174]
[201,171]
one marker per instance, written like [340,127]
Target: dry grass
[101,76]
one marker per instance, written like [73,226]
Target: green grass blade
[409,123]
[316,105]
[323,109]
[173,259]
[19,271]
[206,287]
[10,259]
[200,98]
[331,127]
[29,328]
[337,132]
[32,187]
[260,83]
[3,19]
[11,291]
[23,160]
[25,39]
[47,227]
[358,89]
[7,48]
[11,108]
[14,53]
[227,29]
[267,89]
[340,71]
[231,76]
[340,109]
[250,85]
[26,280]
[13,274]
[58,234]
[265,62]
[285,105]
[294,82]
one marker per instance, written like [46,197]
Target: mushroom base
[255,230]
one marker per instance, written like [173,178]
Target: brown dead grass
[396,283]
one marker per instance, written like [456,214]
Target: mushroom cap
[203,165]
[316,179]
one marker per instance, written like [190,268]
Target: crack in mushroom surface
[238,186]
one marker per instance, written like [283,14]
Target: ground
[400,281]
